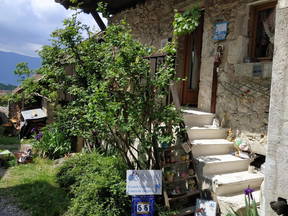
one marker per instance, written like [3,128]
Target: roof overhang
[113,7]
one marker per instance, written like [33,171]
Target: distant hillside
[7,87]
[8,62]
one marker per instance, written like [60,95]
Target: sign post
[142,185]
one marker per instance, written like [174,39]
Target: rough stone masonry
[276,172]
[242,99]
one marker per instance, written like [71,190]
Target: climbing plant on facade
[186,22]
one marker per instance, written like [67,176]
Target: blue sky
[25,25]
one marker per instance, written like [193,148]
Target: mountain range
[7,87]
[8,62]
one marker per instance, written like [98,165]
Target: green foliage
[97,185]
[114,98]
[4,99]
[187,22]
[102,8]
[7,160]
[23,71]
[163,211]
[7,140]
[33,186]
[52,142]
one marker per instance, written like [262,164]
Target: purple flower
[33,130]
[248,192]
[39,136]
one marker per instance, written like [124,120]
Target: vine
[186,22]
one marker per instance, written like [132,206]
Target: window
[262,31]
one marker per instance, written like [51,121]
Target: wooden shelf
[186,211]
[186,195]
[177,163]
[170,148]
[180,179]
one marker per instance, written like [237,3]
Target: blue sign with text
[143,205]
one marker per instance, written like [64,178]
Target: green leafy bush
[115,98]
[7,159]
[52,142]
[164,211]
[96,184]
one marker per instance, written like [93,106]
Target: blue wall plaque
[221,30]
[143,205]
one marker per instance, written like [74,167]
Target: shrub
[52,142]
[96,184]
[164,211]
[7,160]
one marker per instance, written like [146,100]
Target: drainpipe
[276,175]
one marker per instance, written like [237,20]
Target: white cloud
[25,25]
[41,8]
[28,49]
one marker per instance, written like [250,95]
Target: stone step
[207,132]
[236,202]
[197,118]
[211,147]
[222,184]
[219,164]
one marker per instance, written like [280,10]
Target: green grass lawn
[5,140]
[34,188]
[9,143]
[27,141]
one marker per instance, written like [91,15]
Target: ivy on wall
[186,22]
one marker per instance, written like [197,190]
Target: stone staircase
[224,174]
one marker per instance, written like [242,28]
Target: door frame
[188,39]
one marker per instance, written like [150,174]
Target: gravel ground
[7,206]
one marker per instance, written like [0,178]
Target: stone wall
[3,115]
[242,96]
[151,21]
[276,177]
[15,111]
[49,109]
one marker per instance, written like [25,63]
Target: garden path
[7,206]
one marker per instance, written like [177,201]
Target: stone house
[244,76]
[4,108]
[40,108]
[227,63]
[229,77]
